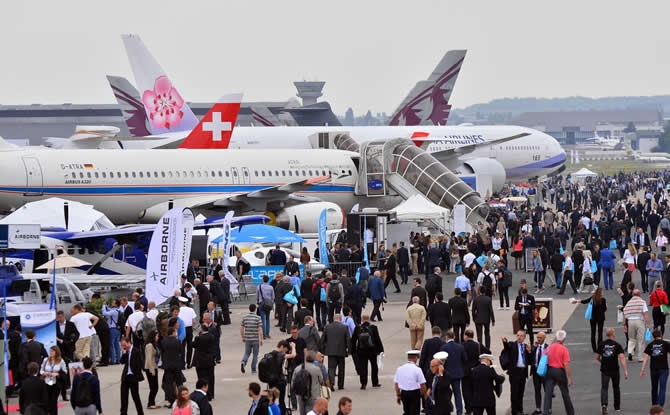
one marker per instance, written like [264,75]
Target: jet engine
[481,167]
[304,218]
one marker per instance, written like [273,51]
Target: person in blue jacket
[377,294]
[607,264]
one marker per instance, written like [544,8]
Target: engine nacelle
[304,218]
[484,169]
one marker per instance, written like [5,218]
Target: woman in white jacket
[629,257]
[586,272]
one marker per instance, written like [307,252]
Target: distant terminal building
[574,127]
[37,121]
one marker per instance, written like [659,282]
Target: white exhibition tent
[584,172]
[50,213]
[418,208]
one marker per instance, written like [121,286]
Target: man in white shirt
[188,316]
[468,259]
[567,273]
[134,320]
[85,323]
[153,311]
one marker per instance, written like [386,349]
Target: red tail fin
[418,138]
[215,129]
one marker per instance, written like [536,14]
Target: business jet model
[604,143]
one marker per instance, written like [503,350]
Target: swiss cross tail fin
[216,127]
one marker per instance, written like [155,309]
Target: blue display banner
[257,272]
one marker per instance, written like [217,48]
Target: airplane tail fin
[263,116]
[429,99]
[130,103]
[165,108]
[216,127]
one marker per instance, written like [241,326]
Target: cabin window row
[522,148]
[198,173]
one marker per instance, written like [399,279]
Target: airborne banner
[169,253]
[226,252]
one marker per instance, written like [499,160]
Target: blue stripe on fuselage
[549,163]
[147,189]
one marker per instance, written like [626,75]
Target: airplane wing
[454,152]
[133,232]
[255,201]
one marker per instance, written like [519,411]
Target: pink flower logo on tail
[163,104]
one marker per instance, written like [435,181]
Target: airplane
[264,117]
[428,101]
[602,142]
[533,154]
[291,185]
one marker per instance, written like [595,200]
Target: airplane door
[245,175]
[34,179]
[235,175]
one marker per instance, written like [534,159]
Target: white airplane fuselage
[125,183]
[536,154]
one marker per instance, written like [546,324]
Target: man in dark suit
[484,381]
[306,291]
[429,348]
[278,256]
[31,351]
[432,258]
[367,352]
[455,366]
[205,352]
[335,344]
[403,263]
[391,264]
[418,291]
[354,297]
[215,267]
[640,239]
[525,305]
[520,358]
[199,396]
[33,392]
[204,296]
[224,301]
[460,316]
[215,289]
[66,335]
[439,313]
[440,389]
[434,284]
[472,352]
[173,363]
[482,315]
[216,320]
[133,365]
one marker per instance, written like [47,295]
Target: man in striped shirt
[251,331]
[635,318]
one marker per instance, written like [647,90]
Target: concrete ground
[231,385]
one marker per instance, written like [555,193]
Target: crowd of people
[579,237]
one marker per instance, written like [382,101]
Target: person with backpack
[134,324]
[307,382]
[487,280]
[85,397]
[335,295]
[271,369]
[367,345]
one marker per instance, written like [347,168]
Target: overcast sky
[369,52]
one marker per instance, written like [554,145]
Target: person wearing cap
[455,367]
[484,383]
[439,393]
[410,384]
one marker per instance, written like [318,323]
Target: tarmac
[231,384]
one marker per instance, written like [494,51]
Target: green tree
[663,141]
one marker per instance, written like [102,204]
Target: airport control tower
[309,91]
